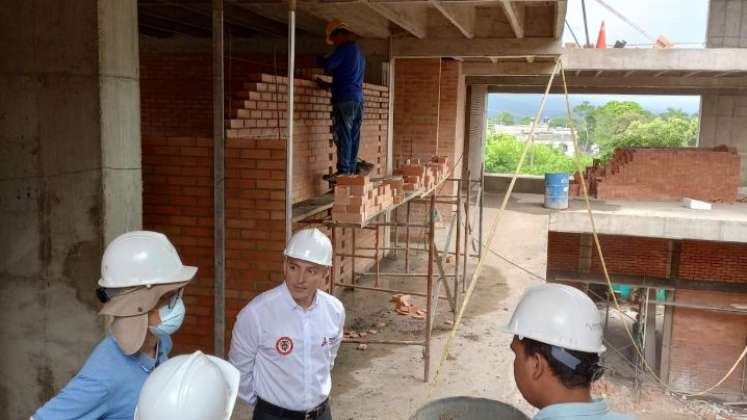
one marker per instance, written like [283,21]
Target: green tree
[613,118]
[504,150]
[660,132]
[584,121]
[558,122]
[526,120]
[506,118]
[671,113]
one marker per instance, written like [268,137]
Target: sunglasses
[175,298]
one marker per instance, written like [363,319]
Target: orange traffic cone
[602,38]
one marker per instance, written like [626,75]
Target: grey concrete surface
[724,223]
[69,182]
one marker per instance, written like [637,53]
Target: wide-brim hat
[130,311]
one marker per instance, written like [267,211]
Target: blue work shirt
[107,387]
[595,410]
[347,66]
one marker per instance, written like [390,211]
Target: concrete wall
[69,182]
[723,117]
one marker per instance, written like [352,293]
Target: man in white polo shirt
[285,340]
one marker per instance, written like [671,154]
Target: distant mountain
[522,105]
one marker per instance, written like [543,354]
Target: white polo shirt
[285,354]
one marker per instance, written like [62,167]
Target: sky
[685,26]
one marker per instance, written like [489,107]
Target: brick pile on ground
[357,198]
[664,174]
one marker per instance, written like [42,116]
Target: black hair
[586,370]
[340,31]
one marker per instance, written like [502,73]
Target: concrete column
[723,118]
[70,181]
[477,123]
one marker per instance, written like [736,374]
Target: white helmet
[558,315]
[310,245]
[142,258]
[189,387]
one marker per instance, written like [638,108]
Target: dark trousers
[260,415]
[348,118]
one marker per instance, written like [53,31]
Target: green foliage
[558,122]
[660,132]
[506,118]
[503,151]
[526,120]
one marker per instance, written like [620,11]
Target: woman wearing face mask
[141,285]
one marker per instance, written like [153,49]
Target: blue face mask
[172,316]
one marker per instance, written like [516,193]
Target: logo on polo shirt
[284,345]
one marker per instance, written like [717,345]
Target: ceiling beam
[507,68]
[360,19]
[462,16]
[413,19]
[561,7]
[637,84]
[515,18]
[477,47]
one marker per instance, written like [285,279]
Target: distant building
[555,137]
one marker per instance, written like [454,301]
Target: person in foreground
[285,340]
[141,285]
[557,342]
[189,387]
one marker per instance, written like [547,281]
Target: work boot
[363,167]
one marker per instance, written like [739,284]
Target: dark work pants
[348,118]
[258,415]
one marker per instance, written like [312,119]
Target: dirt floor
[386,381]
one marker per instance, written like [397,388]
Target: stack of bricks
[426,176]
[357,199]
[664,174]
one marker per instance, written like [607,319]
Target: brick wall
[695,333]
[178,179]
[706,344]
[428,121]
[667,174]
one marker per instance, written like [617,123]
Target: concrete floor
[386,381]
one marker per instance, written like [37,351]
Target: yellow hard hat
[332,26]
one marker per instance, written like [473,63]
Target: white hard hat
[189,387]
[310,245]
[558,315]
[142,258]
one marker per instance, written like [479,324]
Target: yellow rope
[491,234]
[580,168]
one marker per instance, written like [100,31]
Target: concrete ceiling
[417,28]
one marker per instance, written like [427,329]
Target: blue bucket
[556,190]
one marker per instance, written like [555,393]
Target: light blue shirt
[596,410]
[107,387]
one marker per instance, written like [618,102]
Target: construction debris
[403,305]
[696,204]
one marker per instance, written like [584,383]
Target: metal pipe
[429,300]
[396,233]
[367,257]
[386,290]
[481,208]
[407,240]
[219,148]
[401,275]
[456,248]
[289,142]
[352,249]
[376,258]
[467,232]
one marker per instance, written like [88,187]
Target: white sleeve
[336,344]
[243,353]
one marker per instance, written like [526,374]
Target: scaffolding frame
[460,235]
